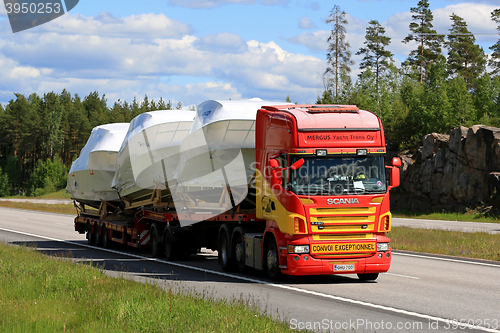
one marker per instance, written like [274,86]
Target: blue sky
[194,50]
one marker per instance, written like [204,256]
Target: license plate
[343,268]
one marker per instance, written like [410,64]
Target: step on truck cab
[321,188]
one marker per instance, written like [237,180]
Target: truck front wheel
[273,261]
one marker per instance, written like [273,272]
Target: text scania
[338,201]
[343,247]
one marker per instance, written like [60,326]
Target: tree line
[42,135]
[431,91]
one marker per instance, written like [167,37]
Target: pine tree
[339,54]
[464,57]
[429,42]
[376,56]
[494,61]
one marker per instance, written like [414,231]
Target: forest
[446,81]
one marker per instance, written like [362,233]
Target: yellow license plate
[342,248]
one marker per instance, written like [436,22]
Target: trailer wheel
[90,235]
[226,262]
[368,276]
[155,242]
[169,246]
[273,261]
[98,236]
[106,243]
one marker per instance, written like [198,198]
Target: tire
[169,245]
[106,242]
[239,252]
[98,236]
[272,261]
[156,248]
[368,276]
[226,262]
[90,235]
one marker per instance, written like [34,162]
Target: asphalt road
[418,294]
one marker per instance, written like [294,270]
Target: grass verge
[467,217]
[57,208]
[478,245]
[43,294]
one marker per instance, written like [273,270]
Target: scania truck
[318,203]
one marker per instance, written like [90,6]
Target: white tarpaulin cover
[91,174]
[218,154]
[148,156]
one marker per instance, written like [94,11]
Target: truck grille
[342,220]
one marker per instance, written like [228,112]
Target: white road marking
[405,276]
[446,259]
[285,287]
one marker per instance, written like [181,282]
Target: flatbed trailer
[320,204]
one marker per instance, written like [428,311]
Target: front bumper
[296,264]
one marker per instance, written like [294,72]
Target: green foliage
[422,33]
[464,57]
[47,177]
[376,57]
[4,184]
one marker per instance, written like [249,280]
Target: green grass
[44,294]
[467,217]
[61,194]
[57,208]
[478,245]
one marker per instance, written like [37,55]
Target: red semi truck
[320,203]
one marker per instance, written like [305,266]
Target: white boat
[148,156]
[91,174]
[216,165]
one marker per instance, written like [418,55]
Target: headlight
[382,247]
[298,248]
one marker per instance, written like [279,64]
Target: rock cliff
[451,172]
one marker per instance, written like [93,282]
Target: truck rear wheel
[368,276]
[273,261]
[226,262]
[169,246]
[156,249]
[239,252]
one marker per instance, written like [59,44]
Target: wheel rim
[239,253]
[224,254]
[272,260]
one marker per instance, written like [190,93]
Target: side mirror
[297,164]
[395,173]
[276,173]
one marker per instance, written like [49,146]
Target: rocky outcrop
[450,172]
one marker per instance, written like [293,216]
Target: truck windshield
[338,175]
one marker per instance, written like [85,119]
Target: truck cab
[323,190]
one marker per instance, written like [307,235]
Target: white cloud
[207,4]
[306,23]
[109,58]
[315,41]
[105,24]
[224,42]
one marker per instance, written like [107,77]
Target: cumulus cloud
[207,4]
[105,24]
[306,23]
[223,65]
[224,42]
